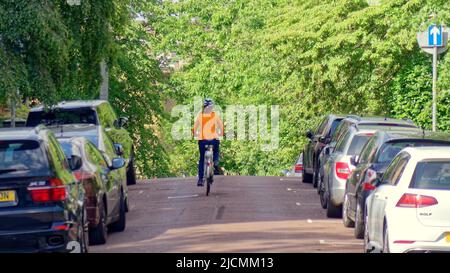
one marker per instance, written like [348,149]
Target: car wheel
[359,222]
[345,219]
[385,239]
[315,179]
[131,173]
[367,247]
[323,199]
[121,223]
[98,235]
[84,233]
[333,211]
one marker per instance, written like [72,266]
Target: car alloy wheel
[367,248]
[345,219]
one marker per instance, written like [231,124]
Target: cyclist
[208,127]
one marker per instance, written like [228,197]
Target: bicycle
[208,175]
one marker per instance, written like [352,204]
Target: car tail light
[342,170]
[370,176]
[298,168]
[54,191]
[409,200]
[81,175]
[368,187]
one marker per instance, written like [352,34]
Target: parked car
[41,202]
[95,112]
[337,168]
[297,169]
[317,140]
[409,209]
[355,121]
[105,196]
[372,163]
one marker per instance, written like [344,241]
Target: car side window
[110,152]
[390,171]
[106,115]
[95,156]
[367,150]
[401,165]
[340,146]
[322,126]
[56,155]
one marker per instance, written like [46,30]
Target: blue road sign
[435,35]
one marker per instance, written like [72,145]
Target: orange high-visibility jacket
[206,124]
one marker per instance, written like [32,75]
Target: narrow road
[242,214]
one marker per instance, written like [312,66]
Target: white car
[410,209]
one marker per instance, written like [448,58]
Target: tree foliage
[51,51]
[310,57]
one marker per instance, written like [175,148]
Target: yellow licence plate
[7,196]
[447,237]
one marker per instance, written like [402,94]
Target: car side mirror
[117,163]
[119,149]
[122,122]
[354,160]
[324,140]
[309,134]
[75,163]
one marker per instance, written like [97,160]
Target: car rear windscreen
[357,144]
[22,157]
[389,150]
[432,176]
[62,116]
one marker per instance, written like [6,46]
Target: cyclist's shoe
[200,183]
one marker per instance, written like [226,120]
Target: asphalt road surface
[242,214]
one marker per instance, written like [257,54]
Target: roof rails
[408,120]
[354,117]
[38,128]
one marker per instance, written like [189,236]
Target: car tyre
[122,222]
[385,239]
[367,247]
[131,173]
[359,222]
[322,197]
[84,240]
[99,234]
[315,179]
[333,211]
[345,219]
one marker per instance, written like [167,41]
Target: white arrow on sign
[435,32]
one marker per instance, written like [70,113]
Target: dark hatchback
[105,196]
[41,202]
[371,164]
[317,139]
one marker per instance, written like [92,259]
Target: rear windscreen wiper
[2,171]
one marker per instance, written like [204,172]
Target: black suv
[371,164]
[93,112]
[317,140]
[41,202]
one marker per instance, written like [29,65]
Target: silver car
[337,168]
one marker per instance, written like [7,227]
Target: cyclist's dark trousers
[202,149]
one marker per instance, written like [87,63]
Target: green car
[96,112]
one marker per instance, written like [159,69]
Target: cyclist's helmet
[207,102]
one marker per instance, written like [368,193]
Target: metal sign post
[434,41]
